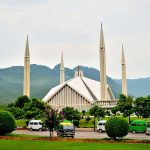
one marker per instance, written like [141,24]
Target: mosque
[79,92]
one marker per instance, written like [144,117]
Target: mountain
[138,87]
[42,80]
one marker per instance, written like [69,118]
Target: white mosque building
[80,92]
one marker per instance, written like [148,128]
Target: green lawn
[47,145]
[23,135]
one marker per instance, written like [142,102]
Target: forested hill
[138,87]
[42,80]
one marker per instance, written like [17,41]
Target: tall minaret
[124,82]
[62,70]
[103,80]
[26,90]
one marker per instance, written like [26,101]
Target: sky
[73,27]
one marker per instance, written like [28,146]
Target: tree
[70,113]
[142,106]
[35,109]
[125,105]
[53,118]
[37,104]
[116,127]
[18,113]
[24,108]
[107,112]
[96,111]
[2,106]
[83,113]
[114,110]
[21,101]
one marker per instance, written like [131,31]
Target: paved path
[85,133]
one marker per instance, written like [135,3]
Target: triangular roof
[88,88]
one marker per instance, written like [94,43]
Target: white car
[101,126]
[148,131]
[35,125]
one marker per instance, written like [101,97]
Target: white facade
[80,93]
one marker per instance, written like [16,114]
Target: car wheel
[40,129]
[100,131]
[30,129]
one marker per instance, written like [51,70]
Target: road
[85,133]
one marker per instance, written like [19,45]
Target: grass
[20,123]
[24,135]
[61,145]
[140,118]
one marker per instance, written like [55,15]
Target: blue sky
[73,26]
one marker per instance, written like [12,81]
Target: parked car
[35,125]
[138,126]
[148,129]
[101,126]
[66,129]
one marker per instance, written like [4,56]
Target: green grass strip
[63,145]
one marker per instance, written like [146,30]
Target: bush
[87,119]
[91,121]
[71,113]
[21,123]
[116,127]
[7,122]
[76,123]
[82,122]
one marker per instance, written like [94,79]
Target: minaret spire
[124,82]
[26,90]
[102,42]
[62,70]
[103,80]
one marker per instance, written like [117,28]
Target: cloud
[73,27]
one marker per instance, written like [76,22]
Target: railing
[104,104]
[107,103]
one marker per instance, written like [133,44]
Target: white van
[35,125]
[148,128]
[101,126]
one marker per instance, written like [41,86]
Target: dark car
[66,130]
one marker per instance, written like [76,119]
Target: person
[51,126]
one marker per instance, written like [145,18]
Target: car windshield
[68,127]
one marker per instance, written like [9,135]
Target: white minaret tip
[103,79]
[124,82]
[123,57]
[62,70]
[62,62]
[27,54]
[102,43]
[26,89]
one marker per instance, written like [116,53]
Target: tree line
[128,105]
[26,108]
